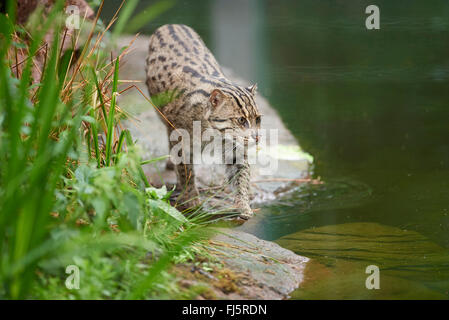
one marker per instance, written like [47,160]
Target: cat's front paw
[245,212]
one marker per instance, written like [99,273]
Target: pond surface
[372,107]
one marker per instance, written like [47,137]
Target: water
[373,109]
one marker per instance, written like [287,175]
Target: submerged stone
[411,266]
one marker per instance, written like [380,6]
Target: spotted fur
[179,61]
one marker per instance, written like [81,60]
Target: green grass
[72,189]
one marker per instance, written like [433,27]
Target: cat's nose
[255,136]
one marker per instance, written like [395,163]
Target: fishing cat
[179,61]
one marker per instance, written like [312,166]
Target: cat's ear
[252,89]
[217,97]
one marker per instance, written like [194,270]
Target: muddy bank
[260,269]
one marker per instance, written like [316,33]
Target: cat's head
[234,111]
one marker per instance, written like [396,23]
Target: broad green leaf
[167,208]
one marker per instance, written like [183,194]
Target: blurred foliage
[72,189]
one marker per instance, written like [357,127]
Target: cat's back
[177,57]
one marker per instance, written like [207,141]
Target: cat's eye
[243,122]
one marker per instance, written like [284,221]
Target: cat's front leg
[239,176]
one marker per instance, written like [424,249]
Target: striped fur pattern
[178,60]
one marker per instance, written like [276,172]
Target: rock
[270,271]
[389,247]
